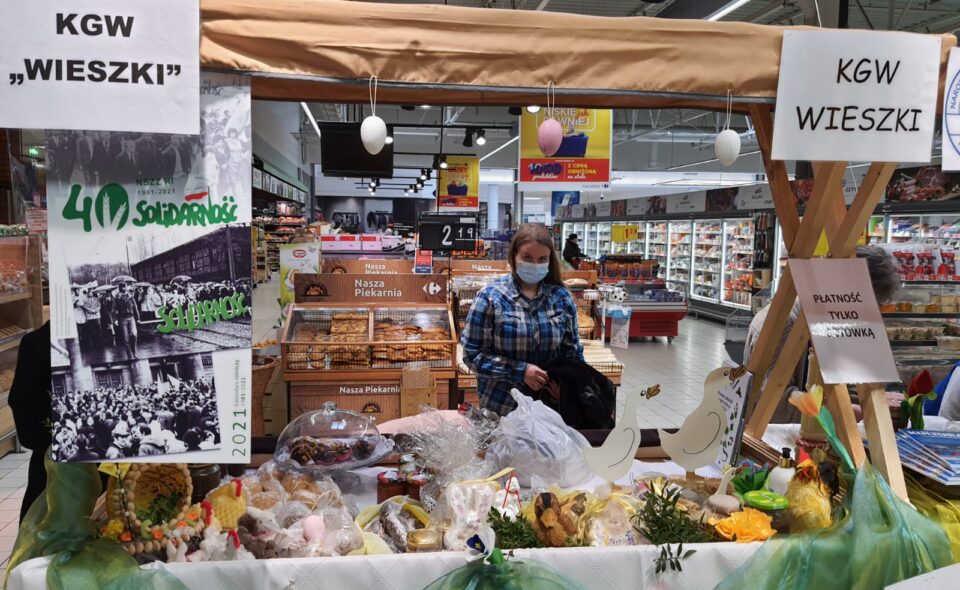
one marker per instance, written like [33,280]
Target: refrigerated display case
[707,256]
[590,243]
[737,262]
[631,247]
[604,238]
[657,245]
[639,246]
[680,238]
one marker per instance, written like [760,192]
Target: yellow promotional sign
[623,233]
[823,246]
[458,186]
[583,158]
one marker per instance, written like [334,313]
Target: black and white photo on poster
[150,270]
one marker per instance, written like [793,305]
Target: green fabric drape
[59,524]
[880,541]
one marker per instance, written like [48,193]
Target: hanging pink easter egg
[549,136]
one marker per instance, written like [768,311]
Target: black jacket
[30,401]
[571,250]
[587,398]
[30,391]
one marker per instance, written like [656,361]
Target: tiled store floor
[13,482]
[679,367]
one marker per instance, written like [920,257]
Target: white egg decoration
[373,134]
[727,146]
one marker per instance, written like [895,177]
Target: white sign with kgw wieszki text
[101,65]
[856,95]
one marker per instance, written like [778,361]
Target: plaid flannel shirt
[505,331]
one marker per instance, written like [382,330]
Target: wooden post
[884,453]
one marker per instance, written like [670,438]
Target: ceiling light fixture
[468,137]
[389,139]
[726,9]
[515,111]
[408,107]
[425,107]
[423,174]
[443,162]
[534,108]
[481,137]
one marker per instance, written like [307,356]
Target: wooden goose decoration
[613,459]
[698,441]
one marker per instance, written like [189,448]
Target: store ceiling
[929,16]
[676,141]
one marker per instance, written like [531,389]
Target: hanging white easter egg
[373,134]
[727,146]
[549,136]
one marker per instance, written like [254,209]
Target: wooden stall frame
[825,212]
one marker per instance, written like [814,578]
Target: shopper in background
[885,279]
[521,322]
[571,251]
[31,405]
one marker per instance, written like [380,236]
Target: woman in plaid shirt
[521,322]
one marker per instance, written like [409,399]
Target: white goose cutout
[613,459]
[698,441]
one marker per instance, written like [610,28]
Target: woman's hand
[535,377]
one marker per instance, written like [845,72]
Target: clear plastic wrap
[534,440]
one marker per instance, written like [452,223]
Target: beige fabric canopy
[325,50]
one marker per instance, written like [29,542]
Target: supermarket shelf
[11,342]
[910,315]
[908,343]
[15,297]
[922,282]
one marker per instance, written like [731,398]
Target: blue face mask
[532,273]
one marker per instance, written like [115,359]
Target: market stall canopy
[325,51]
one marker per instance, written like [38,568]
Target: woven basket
[263,370]
[142,484]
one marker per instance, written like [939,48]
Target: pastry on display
[410,340]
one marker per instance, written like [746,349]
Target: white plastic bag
[534,440]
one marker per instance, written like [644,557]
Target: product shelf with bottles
[738,240]
[707,256]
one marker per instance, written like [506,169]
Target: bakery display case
[324,337]
[20,312]
[707,256]
[360,356]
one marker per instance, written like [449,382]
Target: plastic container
[331,439]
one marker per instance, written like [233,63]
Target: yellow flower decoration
[745,526]
[808,402]
[112,529]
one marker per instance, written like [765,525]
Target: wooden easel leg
[883,443]
[837,398]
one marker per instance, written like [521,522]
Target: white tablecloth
[613,568]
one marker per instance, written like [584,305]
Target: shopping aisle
[679,367]
[266,309]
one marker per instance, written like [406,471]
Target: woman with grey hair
[885,278]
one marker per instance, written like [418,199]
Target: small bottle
[781,475]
